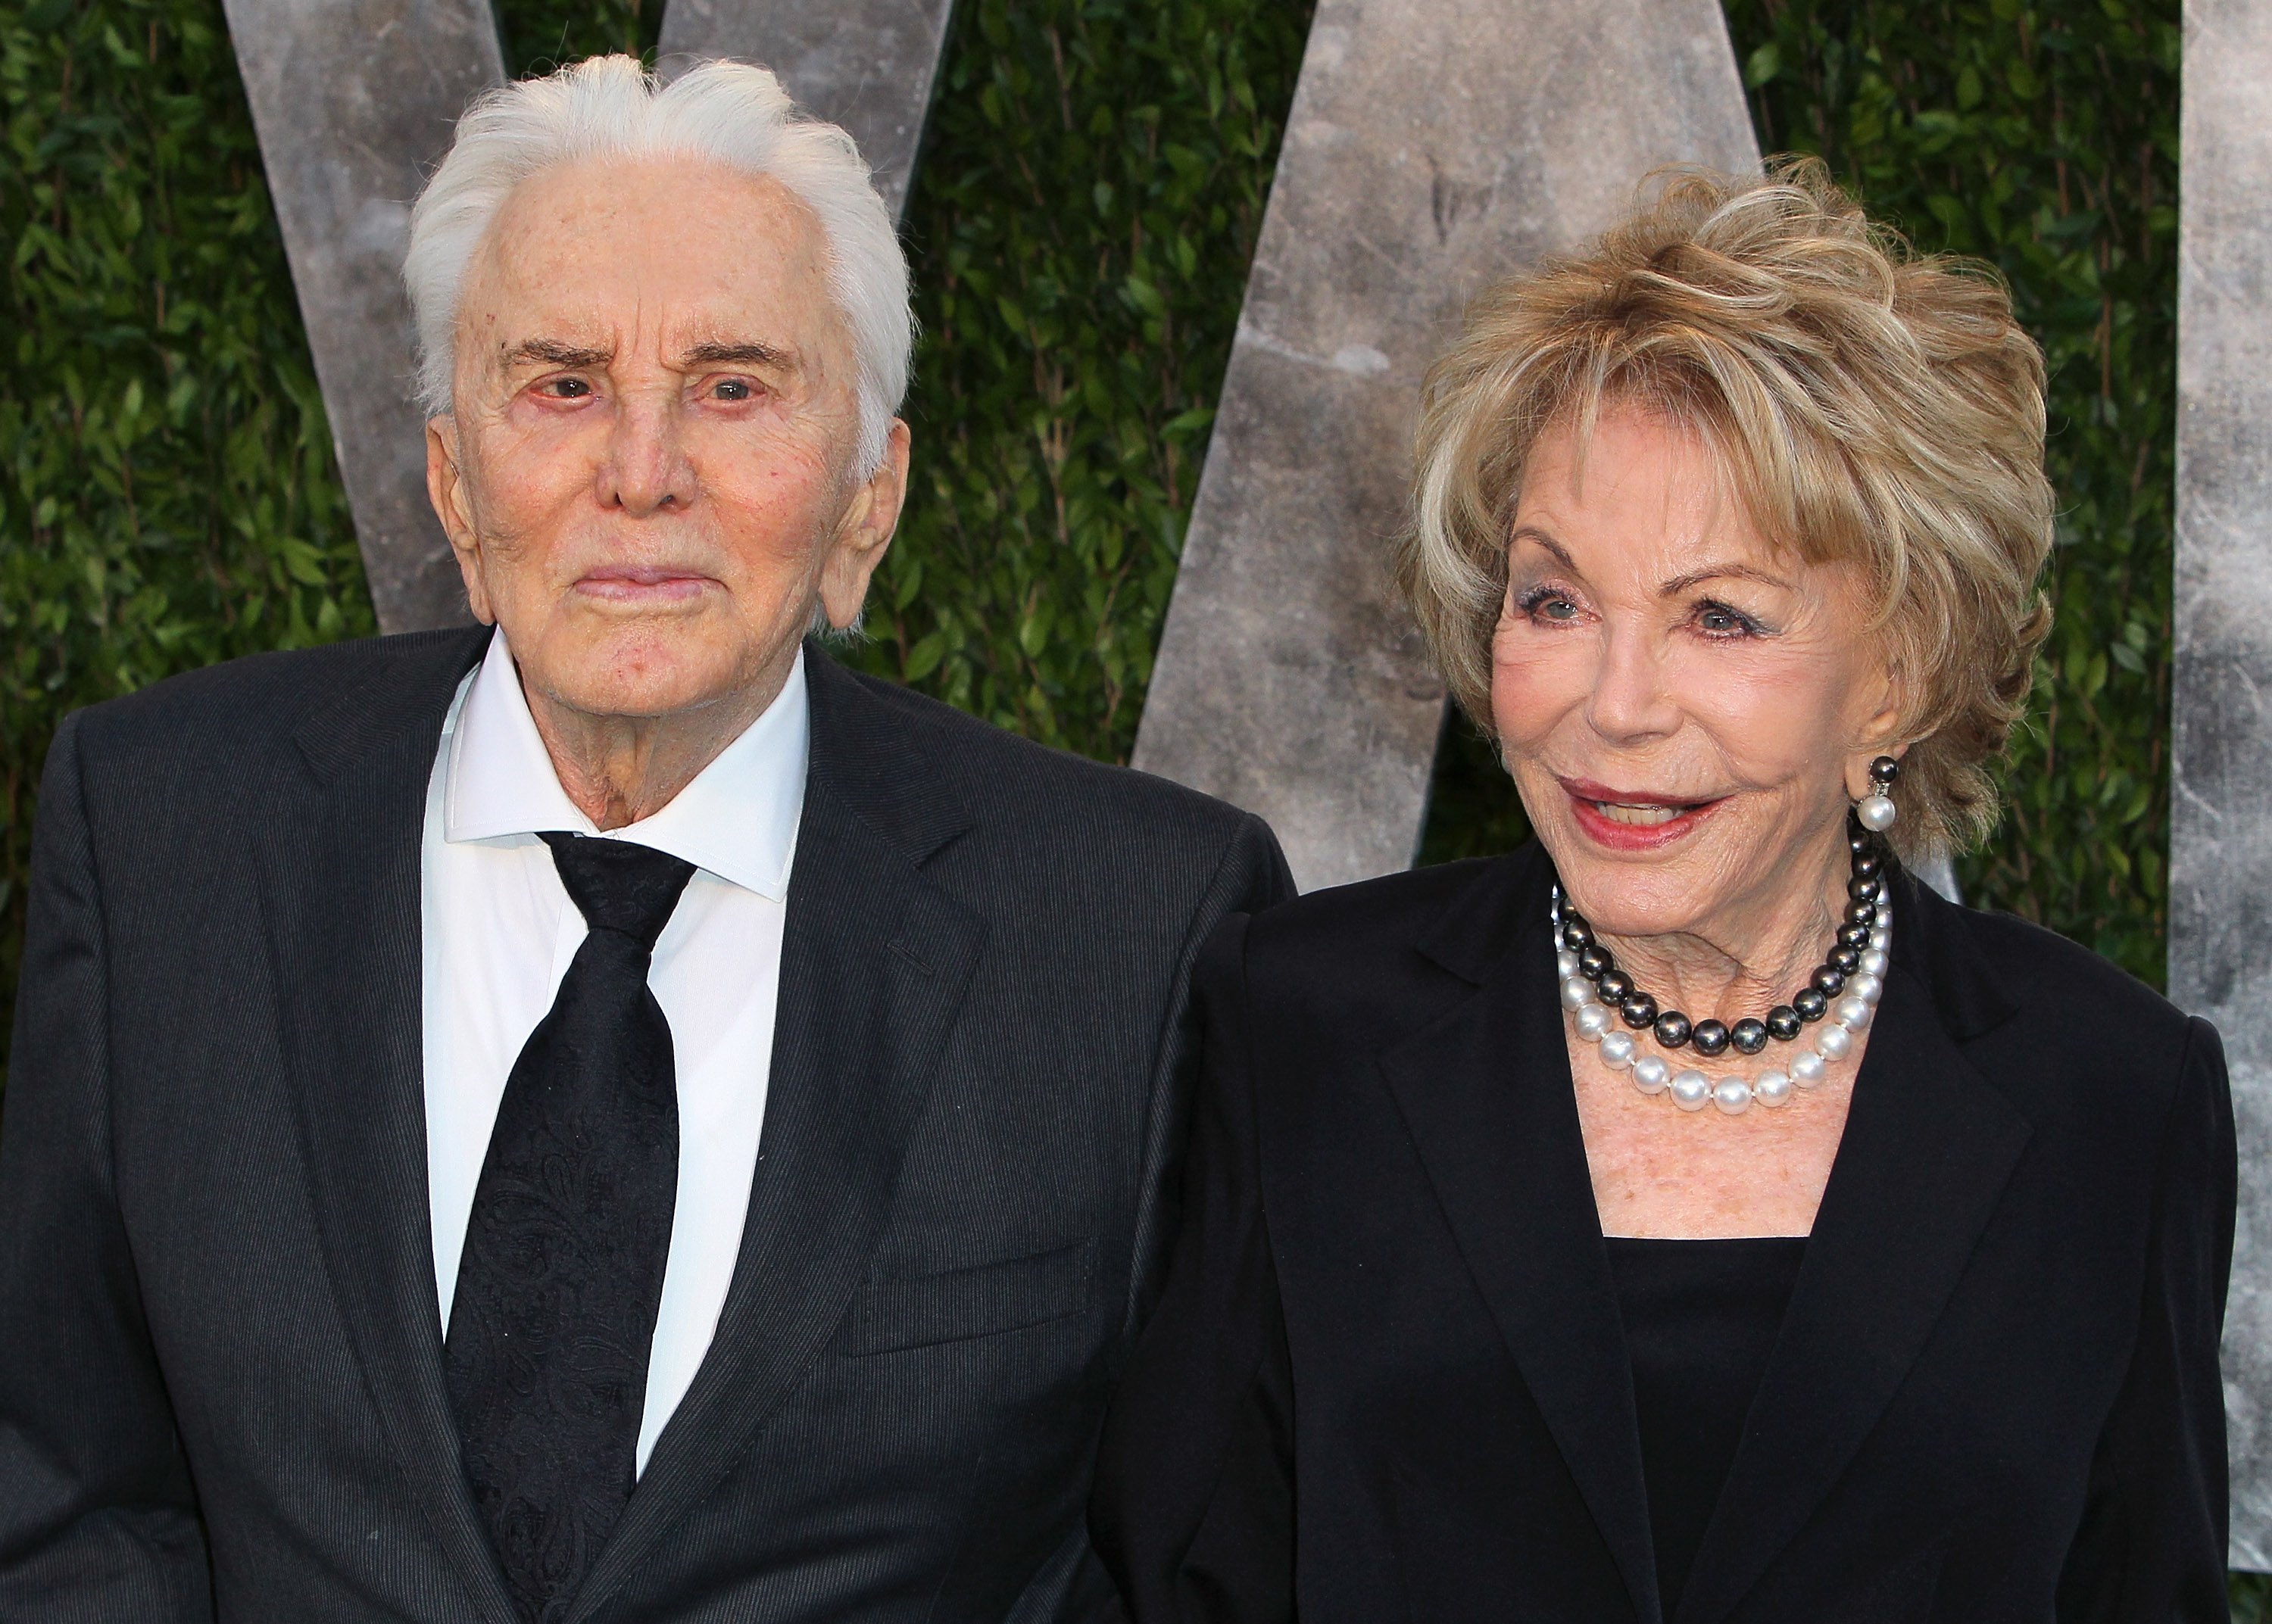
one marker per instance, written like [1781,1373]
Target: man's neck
[618,770]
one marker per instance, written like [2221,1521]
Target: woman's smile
[1627,820]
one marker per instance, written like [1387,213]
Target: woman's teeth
[1640,816]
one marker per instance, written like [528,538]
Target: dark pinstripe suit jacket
[220,1363]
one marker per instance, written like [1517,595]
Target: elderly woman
[1690,1216]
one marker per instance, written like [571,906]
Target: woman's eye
[1543,604]
[1720,620]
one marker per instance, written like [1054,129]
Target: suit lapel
[876,958]
[1928,1148]
[1486,1092]
[343,902]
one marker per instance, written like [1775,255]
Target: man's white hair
[608,107]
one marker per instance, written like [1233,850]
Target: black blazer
[221,1361]
[1387,1380]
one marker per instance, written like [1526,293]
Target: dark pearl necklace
[1617,990]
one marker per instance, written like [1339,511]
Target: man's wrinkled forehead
[673,260]
[546,353]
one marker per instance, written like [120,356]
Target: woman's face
[1685,710]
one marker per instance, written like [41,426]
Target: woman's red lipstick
[1587,799]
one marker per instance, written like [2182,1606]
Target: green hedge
[1089,197]
[1081,225]
[2043,140]
[168,497]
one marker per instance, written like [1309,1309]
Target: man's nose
[646,470]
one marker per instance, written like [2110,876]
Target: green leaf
[923,659]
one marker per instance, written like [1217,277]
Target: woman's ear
[1888,730]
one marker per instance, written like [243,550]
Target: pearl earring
[1876,810]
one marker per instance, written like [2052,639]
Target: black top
[222,1379]
[1700,1318]
[1391,1315]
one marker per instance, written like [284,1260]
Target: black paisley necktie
[563,1265]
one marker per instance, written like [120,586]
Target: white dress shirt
[499,932]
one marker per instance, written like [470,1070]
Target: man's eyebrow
[556,353]
[749,353]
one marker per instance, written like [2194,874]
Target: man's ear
[864,534]
[446,488]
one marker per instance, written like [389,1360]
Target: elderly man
[608,1117]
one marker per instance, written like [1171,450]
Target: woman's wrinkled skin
[1687,712]
[648,474]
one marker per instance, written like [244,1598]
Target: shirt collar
[738,818]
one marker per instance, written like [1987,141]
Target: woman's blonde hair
[1867,404]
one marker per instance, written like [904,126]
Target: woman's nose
[1631,700]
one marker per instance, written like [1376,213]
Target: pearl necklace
[1841,995]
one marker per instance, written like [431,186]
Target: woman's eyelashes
[1548,604]
[1723,621]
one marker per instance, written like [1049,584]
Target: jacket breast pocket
[957,1305]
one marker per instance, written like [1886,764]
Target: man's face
[648,477]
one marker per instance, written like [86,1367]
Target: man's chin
[636,675]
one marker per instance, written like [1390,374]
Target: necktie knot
[620,886]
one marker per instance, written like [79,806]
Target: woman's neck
[1750,956]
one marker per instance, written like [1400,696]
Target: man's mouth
[635,582]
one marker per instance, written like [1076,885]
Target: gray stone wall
[1433,146]
[866,64]
[355,100]
[2220,834]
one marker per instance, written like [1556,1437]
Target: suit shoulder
[1359,931]
[1396,904]
[1352,970]
[2062,980]
[242,704]
[2089,1053]
[1006,773]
